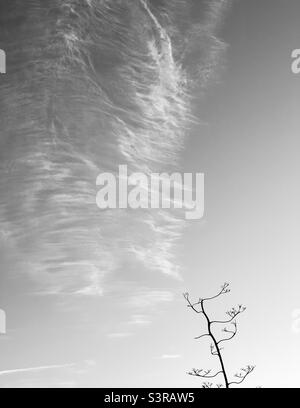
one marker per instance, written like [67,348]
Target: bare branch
[243,374]
[224,289]
[233,333]
[190,304]
[203,373]
[215,349]
[232,313]
[207,385]
[202,335]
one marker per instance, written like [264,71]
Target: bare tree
[199,307]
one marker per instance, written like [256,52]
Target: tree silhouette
[215,349]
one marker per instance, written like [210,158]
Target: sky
[94,299]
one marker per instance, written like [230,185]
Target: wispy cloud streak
[34,369]
[92,85]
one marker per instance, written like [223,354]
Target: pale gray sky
[95,297]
